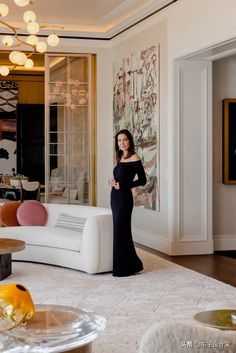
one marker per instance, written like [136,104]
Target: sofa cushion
[8,213]
[32,213]
[66,221]
[45,236]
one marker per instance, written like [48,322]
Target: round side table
[7,247]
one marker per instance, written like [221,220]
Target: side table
[7,247]
[221,318]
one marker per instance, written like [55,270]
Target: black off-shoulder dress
[125,260]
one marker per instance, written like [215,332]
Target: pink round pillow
[31,213]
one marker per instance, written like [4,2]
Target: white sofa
[89,251]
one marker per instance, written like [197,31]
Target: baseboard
[225,242]
[153,241]
[192,247]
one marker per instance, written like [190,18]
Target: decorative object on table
[58,328]
[222,318]
[16,306]
[15,180]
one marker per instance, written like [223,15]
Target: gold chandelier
[17,57]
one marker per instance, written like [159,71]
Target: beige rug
[163,291]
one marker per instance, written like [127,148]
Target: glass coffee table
[54,328]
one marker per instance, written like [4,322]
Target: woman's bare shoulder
[134,157]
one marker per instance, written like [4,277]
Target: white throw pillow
[66,221]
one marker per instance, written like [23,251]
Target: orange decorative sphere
[16,305]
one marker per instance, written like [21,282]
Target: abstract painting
[136,108]
[8,104]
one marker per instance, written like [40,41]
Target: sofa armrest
[97,244]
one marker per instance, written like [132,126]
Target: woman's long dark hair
[131,149]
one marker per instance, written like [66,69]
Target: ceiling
[87,18]
[100,19]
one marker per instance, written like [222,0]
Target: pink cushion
[31,213]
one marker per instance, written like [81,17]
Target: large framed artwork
[229,141]
[8,103]
[136,108]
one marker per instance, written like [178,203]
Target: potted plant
[15,180]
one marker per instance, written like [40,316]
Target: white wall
[184,28]
[224,220]
[148,225]
[197,24]
[192,25]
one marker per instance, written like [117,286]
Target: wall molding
[225,242]
[193,225]
[152,240]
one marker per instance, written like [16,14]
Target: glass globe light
[4,71]
[22,2]
[13,56]
[32,27]
[20,58]
[3,10]
[32,39]
[53,40]
[7,41]
[41,47]
[29,64]
[29,16]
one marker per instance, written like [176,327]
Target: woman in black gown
[125,260]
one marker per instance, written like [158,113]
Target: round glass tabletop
[56,328]
[222,319]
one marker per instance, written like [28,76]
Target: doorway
[195,198]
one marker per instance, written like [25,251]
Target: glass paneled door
[70,133]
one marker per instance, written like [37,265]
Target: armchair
[30,190]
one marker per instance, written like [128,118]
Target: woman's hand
[114,184]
